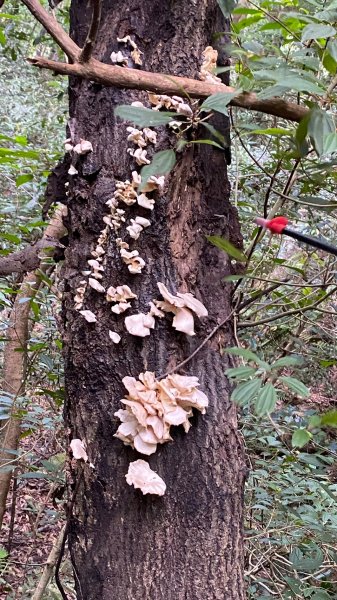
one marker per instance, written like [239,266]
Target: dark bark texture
[188,543]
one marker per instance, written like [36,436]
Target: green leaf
[318,202]
[330,143]
[18,139]
[300,438]
[217,134]
[296,385]
[321,595]
[315,31]
[162,163]
[227,6]
[3,553]
[2,38]
[219,102]
[286,361]
[240,372]
[183,143]
[320,125]
[274,131]
[266,400]
[10,237]
[248,355]
[307,562]
[144,117]
[6,152]
[329,418]
[245,392]
[226,246]
[332,49]
[23,179]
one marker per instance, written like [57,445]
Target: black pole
[311,241]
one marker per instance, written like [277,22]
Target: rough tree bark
[188,543]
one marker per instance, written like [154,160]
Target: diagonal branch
[27,259]
[54,29]
[161,83]
[92,33]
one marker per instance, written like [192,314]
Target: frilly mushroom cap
[183,321]
[78,449]
[153,406]
[194,304]
[139,324]
[141,476]
[89,316]
[113,335]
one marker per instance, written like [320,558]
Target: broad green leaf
[315,31]
[243,23]
[330,143]
[296,385]
[329,418]
[248,355]
[23,179]
[245,392]
[219,102]
[2,38]
[307,562]
[183,143]
[274,131]
[240,372]
[332,49]
[3,553]
[144,117]
[266,400]
[321,595]
[318,202]
[300,438]
[11,237]
[217,134]
[319,126]
[161,164]
[226,246]
[227,6]
[292,82]
[6,152]
[18,139]
[286,361]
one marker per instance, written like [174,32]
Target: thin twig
[54,29]
[66,531]
[93,31]
[210,335]
[286,313]
[49,566]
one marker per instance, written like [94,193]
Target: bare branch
[92,33]
[54,29]
[287,313]
[27,259]
[49,566]
[161,83]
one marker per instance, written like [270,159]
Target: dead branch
[49,567]
[27,259]
[54,29]
[92,33]
[15,360]
[161,83]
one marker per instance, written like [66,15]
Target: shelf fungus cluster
[153,406]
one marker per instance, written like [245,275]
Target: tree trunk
[188,543]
